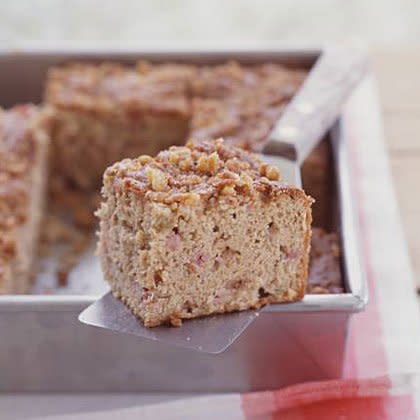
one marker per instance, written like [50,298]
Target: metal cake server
[317,105]
[307,118]
[211,334]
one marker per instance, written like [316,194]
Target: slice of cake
[202,229]
[23,153]
[107,112]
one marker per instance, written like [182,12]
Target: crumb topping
[99,88]
[18,143]
[196,170]
[241,103]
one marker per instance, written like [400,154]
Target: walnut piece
[270,172]
[196,172]
[208,164]
[157,179]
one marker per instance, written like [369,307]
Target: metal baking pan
[43,346]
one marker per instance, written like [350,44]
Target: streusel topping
[196,170]
[236,102]
[241,103]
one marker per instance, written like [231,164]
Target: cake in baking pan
[97,114]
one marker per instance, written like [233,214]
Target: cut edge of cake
[23,154]
[202,229]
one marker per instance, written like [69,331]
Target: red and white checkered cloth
[383,355]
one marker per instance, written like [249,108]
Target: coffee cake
[104,113]
[201,229]
[23,149]
[324,265]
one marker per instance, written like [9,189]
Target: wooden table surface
[397,73]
